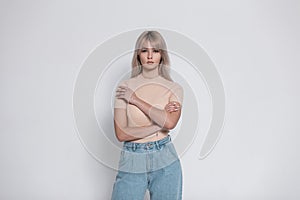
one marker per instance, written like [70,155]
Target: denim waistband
[147,146]
[148,156]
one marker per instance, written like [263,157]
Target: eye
[156,51]
[144,50]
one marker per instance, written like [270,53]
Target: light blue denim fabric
[154,166]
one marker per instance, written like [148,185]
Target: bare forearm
[166,118]
[157,115]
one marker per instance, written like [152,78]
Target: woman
[147,106]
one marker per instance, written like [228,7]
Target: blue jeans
[154,166]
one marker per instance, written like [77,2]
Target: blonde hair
[157,41]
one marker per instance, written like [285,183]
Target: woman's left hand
[124,92]
[172,106]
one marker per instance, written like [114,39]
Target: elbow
[169,125]
[121,137]
[171,120]
[119,134]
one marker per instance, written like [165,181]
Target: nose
[149,56]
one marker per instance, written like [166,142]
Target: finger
[120,90]
[171,105]
[123,87]
[175,108]
[170,109]
[119,94]
[167,108]
[175,104]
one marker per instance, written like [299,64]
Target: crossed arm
[163,119]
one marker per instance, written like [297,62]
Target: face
[149,56]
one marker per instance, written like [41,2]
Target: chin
[150,67]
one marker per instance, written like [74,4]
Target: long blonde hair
[157,41]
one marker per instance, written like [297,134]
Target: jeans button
[148,146]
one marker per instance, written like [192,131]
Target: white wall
[254,44]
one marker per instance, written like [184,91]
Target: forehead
[150,44]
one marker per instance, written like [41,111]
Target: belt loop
[157,145]
[133,146]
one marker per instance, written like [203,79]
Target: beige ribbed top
[156,91]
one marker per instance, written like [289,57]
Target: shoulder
[176,93]
[177,86]
[165,81]
[170,84]
[177,89]
[174,86]
[127,81]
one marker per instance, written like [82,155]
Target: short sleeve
[120,103]
[176,93]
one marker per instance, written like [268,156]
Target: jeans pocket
[172,151]
[122,160]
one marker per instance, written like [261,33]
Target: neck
[153,73]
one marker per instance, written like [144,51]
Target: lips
[150,62]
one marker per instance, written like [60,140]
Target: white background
[254,44]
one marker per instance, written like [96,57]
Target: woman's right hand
[124,92]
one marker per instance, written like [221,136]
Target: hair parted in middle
[157,41]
